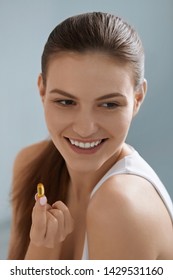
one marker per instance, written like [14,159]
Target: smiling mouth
[86,145]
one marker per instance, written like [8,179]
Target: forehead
[96,71]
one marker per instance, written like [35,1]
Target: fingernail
[36,197]
[43,200]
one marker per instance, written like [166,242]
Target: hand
[50,224]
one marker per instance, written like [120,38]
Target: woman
[102,200]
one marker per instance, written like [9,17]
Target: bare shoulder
[126,219]
[27,154]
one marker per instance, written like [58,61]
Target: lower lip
[88,151]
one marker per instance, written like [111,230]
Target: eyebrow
[64,93]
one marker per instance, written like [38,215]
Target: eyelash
[113,105]
[69,102]
[65,100]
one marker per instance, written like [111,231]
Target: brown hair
[86,32]
[97,32]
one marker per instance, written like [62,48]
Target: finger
[59,216]
[68,220]
[51,232]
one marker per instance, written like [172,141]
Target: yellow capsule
[40,190]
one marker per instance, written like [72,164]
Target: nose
[85,126]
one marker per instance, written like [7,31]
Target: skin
[83,76]
[58,230]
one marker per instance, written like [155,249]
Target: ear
[139,96]
[41,87]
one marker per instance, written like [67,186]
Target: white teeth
[85,145]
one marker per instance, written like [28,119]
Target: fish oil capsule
[40,190]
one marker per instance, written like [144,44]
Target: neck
[83,182]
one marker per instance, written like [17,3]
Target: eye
[65,102]
[110,105]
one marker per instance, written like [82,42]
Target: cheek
[54,120]
[57,120]
[120,124]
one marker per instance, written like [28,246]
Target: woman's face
[89,102]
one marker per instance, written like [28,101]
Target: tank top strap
[118,168]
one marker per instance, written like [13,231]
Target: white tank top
[134,164]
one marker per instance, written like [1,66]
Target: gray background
[24,28]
